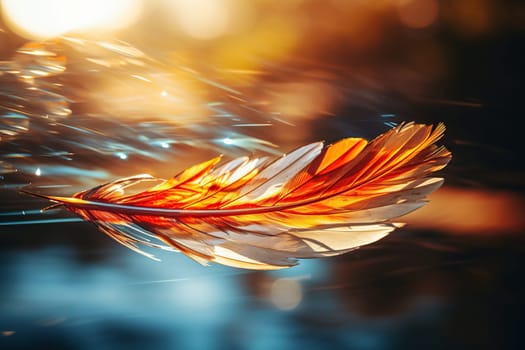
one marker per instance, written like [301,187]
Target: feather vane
[265,214]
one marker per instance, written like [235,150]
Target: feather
[260,214]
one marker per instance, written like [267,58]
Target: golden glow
[177,100]
[471,211]
[273,38]
[201,19]
[303,100]
[43,19]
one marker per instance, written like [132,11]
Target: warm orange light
[418,13]
[201,19]
[43,19]
[471,211]
[472,17]
[304,100]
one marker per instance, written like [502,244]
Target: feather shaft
[253,213]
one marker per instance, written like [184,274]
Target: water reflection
[432,284]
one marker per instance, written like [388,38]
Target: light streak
[40,221]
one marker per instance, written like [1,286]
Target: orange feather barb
[265,214]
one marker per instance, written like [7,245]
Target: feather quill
[265,214]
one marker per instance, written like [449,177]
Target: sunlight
[43,19]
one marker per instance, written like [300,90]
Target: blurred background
[95,90]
